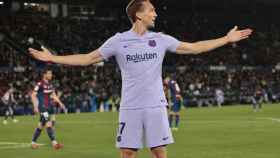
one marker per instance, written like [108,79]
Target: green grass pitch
[228,132]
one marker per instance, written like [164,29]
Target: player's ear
[139,15]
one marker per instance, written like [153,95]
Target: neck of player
[139,28]
[46,80]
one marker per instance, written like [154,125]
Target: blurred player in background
[219,96]
[143,117]
[9,102]
[42,96]
[257,98]
[166,91]
[175,101]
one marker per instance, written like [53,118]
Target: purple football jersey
[140,60]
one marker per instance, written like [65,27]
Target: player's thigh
[130,131]
[156,127]
[171,112]
[177,113]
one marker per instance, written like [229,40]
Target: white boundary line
[15,145]
[79,122]
[270,118]
[116,123]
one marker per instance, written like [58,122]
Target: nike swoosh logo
[165,138]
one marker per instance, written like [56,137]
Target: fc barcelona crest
[152,43]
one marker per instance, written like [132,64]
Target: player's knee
[159,152]
[159,155]
[49,124]
[128,153]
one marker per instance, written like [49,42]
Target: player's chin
[152,25]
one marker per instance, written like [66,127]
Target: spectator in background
[9,102]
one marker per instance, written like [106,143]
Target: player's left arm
[178,91]
[233,35]
[56,99]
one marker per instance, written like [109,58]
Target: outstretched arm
[78,59]
[234,35]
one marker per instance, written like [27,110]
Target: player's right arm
[34,98]
[178,91]
[107,50]
[77,59]
[35,102]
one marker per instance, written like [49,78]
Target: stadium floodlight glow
[31,4]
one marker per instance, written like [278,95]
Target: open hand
[235,35]
[44,55]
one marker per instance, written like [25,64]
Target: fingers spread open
[31,50]
[246,32]
[244,37]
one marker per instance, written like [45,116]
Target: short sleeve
[37,86]
[109,48]
[171,43]
[52,88]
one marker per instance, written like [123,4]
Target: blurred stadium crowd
[235,69]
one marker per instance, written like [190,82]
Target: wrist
[52,58]
[227,40]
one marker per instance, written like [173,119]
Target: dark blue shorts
[45,115]
[176,107]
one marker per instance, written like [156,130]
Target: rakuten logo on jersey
[141,57]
